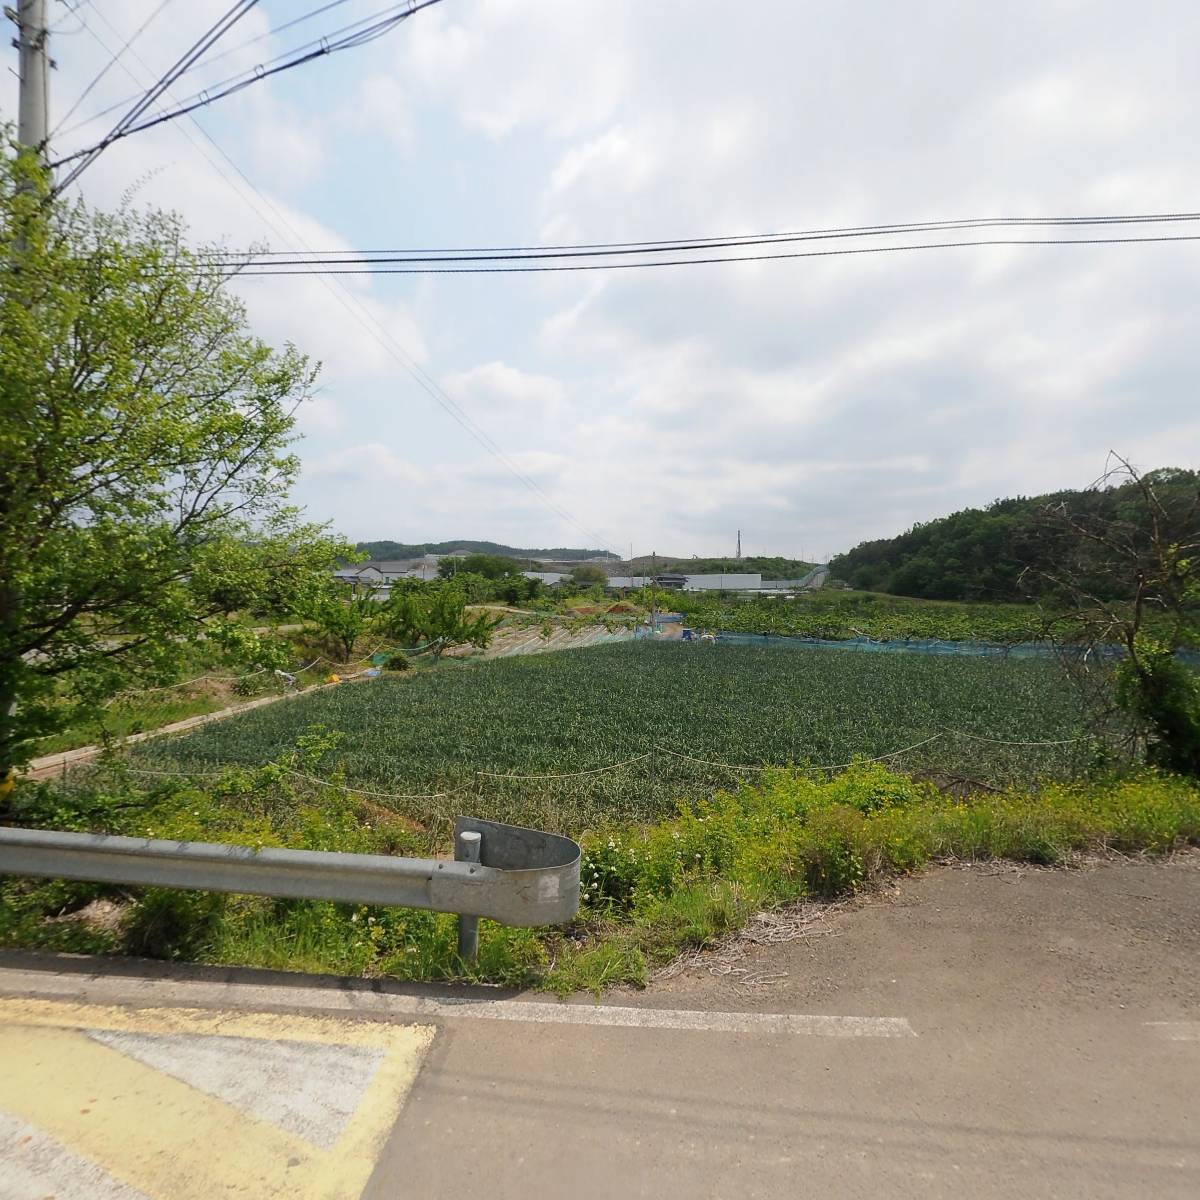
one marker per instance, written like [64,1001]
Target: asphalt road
[972,1033]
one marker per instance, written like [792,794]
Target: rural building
[725,582]
[379,575]
[671,580]
[549,578]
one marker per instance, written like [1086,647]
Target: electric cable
[271,215]
[295,269]
[112,62]
[245,79]
[197,48]
[728,240]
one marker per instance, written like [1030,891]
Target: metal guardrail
[513,875]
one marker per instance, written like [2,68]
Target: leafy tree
[1123,564]
[588,575]
[269,575]
[342,614]
[436,616]
[144,456]
[516,589]
[478,589]
[490,566]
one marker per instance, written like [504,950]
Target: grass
[677,852]
[490,737]
[206,682]
[650,890]
[136,715]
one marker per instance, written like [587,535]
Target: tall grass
[650,890]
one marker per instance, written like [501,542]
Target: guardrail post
[467,847]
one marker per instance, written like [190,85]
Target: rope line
[814,767]
[573,774]
[379,795]
[477,776]
[212,675]
[979,737]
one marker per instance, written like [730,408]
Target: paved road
[973,1034]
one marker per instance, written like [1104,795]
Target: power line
[699,243]
[108,66]
[296,269]
[197,48]
[277,29]
[267,262]
[258,37]
[365,319]
[73,10]
[255,75]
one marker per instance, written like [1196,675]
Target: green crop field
[443,742]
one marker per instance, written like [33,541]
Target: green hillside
[767,567]
[383,550]
[994,553]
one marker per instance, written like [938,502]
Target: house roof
[387,567]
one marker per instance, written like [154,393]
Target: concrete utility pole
[32,135]
[32,41]
[653,589]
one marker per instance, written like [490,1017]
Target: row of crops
[626,730]
[836,614]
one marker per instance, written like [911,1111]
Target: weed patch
[650,890]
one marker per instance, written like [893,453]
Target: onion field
[624,731]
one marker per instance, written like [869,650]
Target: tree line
[1003,552]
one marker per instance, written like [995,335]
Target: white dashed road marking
[661,1018]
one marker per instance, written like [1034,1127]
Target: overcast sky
[810,403]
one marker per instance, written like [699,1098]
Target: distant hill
[767,567]
[396,550]
[980,553]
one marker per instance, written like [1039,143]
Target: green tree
[588,575]
[144,444]
[269,575]
[490,566]
[478,589]
[1125,570]
[342,615]
[436,616]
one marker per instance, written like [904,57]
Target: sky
[810,403]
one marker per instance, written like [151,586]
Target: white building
[725,582]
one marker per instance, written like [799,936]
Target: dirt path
[506,643]
[50,765]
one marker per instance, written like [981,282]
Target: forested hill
[980,553]
[766,566]
[385,550]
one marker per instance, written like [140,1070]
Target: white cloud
[811,402]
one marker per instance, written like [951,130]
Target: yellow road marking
[173,1141]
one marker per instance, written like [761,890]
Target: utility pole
[653,591]
[32,41]
[32,135]
[739,552]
